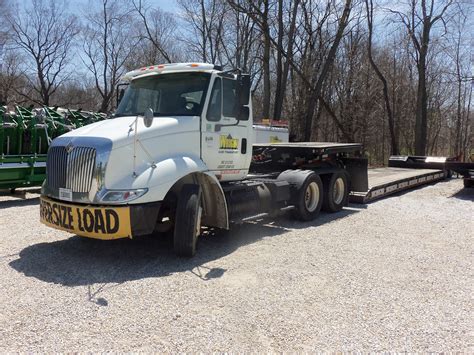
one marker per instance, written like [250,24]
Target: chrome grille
[73,170]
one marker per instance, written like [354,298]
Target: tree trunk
[391,123]
[286,65]
[279,65]
[266,61]
[317,89]
[421,123]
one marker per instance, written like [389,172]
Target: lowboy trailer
[180,155]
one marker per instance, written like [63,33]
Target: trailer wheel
[336,192]
[309,198]
[188,220]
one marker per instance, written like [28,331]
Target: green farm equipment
[25,135]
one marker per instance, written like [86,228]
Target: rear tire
[336,192]
[309,198]
[188,221]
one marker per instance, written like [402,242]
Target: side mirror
[148,117]
[120,95]
[244,113]
[243,89]
[120,91]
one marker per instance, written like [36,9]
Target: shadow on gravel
[21,202]
[20,192]
[464,194]
[81,261]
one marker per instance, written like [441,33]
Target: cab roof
[169,68]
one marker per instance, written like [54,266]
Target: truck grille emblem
[69,148]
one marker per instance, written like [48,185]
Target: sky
[167,5]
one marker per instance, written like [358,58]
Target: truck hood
[121,130]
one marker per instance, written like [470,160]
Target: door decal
[227,142]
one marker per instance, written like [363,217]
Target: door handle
[243,148]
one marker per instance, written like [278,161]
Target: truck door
[226,144]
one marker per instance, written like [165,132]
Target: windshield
[178,94]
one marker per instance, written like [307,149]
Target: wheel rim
[338,191]
[311,197]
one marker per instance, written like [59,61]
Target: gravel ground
[395,275]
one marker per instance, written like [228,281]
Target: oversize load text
[77,219]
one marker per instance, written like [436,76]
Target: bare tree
[108,43]
[283,62]
[159,29]
[419,21]
[206,21]
[463,86]
[388,107]
[45,32]
[10,77]
[259,11]
[319,78]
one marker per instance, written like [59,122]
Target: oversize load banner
[87,221]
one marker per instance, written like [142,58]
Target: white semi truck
[179,155]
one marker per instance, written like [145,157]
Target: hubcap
[338,191]
[311,197]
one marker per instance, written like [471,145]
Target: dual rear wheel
[336,191]
[314,194]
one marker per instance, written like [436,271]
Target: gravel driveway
[393,275]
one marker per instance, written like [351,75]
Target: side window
[215,103]
[228,109]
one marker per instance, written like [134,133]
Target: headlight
[120,196]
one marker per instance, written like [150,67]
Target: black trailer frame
[403,172]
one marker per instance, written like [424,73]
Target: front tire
[188,221]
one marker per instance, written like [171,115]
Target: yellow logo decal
[227,142]
[275,139]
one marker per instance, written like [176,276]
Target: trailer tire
[309,198]
[336,192]
[188,220]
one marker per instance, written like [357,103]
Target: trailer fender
[296,179]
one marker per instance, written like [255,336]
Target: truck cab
[213,122]
[176,124]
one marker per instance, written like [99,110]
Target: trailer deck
[315,147]
[387,181]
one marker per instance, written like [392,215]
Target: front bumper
[99,222]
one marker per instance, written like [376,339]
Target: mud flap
[357,170]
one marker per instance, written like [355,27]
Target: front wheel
[188,221]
